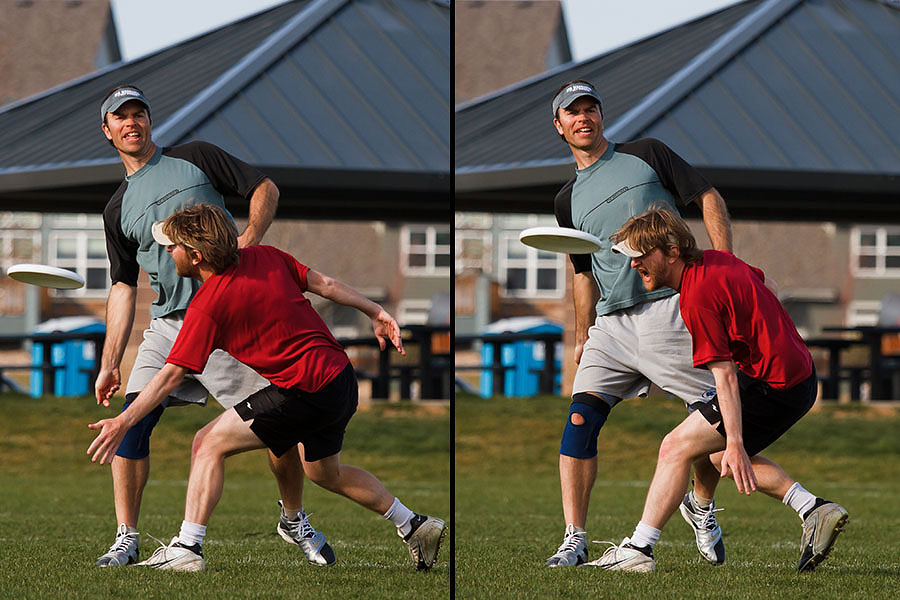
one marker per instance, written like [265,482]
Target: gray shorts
[226,379]
[631,348]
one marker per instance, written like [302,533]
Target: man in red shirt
[251,304]
[765,382]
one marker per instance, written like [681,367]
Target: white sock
[644,535]
[700,502]
[191,533]
[290,513]
[400,516]
[130,529]
[799,499]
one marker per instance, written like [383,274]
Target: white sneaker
[706,530]
[820,530]
[299,531]
[572,552]
[124,550]
[424,540]
[625,557]
[176,557]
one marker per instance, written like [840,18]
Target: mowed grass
[56,510]
[509,514]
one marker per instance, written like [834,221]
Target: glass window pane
[96,278]
[866,261]
[515,279]
[866,239]
[441,260]
[442,238]
[418,260]
[515,249]
[417,238]
[66,248]
[893,239]
[96,248]
[546,279]
[892,262]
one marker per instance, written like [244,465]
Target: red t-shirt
[256,311]
[732,315]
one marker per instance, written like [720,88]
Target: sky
[594,26]
[145,26]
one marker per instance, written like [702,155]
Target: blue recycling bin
[75,357]
[525,358]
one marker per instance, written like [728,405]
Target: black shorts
[283,417]
[766,412]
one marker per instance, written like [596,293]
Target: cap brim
[623,248]
[159,236]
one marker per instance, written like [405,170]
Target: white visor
[159,236]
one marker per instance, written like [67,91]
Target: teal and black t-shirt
[626,181]
[173,178]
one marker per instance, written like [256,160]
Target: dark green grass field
[509,516]
[56,512]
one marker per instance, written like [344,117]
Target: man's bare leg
[129,479]
[576,479]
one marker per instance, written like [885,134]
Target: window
[425,250]
[875,251]
[85,253]
[528,272]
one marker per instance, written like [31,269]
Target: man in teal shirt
[625,337]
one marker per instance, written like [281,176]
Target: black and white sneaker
[176,557]
[821,526]
[625,557]
[424,540]
[706,529]
[299,531]
[124,550]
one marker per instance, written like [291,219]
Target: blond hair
[659,228]
[207,228]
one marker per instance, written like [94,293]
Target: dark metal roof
[343,102]
[793,112]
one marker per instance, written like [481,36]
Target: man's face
[654,269]
[182,257]
[581,123]
[129,128]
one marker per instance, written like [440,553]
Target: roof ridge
[698,69]
[222,89]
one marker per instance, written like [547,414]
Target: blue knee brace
[580,441]
[136,443]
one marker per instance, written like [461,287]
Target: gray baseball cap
[572,92]
[120,97]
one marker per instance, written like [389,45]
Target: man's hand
[736,462]
[108,383]
[579,348]
[107,442]
[385,326]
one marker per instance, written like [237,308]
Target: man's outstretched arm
[383,324]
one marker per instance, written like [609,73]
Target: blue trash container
[525,357]
[75,357]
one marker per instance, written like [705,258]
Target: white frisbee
[560,239]
[46,276]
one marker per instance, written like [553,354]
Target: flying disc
[46,276]
[560,239]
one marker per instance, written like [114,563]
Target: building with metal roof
[790,107]
[344,103]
